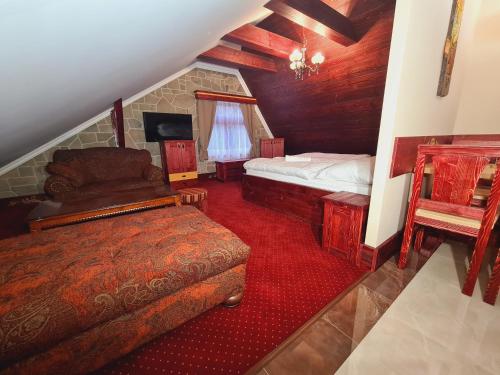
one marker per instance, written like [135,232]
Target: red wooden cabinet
[344,222]
[173,158]
[179,163]
[188,155]
[271,148]
[227,170]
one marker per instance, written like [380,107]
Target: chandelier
[299,64]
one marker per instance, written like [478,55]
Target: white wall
[64,61]
[411,106]
[479,110]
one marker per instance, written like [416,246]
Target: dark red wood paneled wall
[339,109]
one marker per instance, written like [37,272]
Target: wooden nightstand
[344,222]
[227,170]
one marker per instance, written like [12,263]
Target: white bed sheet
[307,170]
[333,186]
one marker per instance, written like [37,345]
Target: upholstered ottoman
[76,297]
[196,197]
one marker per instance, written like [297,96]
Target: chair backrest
[456,177]
[457,169]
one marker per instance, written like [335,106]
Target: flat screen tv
[167,126]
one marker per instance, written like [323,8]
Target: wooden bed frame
[305,203]
[295,200]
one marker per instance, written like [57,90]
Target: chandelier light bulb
[318,58]
[301,67]
[296,55]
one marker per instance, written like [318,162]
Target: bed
[295,184]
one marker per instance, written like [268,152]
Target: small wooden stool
[196,197]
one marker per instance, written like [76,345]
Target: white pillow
[296,158]
[358,171]
[323,155]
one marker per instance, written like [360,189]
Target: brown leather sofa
[98,171]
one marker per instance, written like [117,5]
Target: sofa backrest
[106,163]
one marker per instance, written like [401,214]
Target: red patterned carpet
[289,279]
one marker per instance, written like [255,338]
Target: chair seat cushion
[448,218]
[58,283]
[450,222]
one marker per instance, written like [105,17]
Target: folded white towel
[297,158]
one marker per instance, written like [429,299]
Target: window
[229,139]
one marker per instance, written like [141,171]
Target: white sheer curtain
[229,139]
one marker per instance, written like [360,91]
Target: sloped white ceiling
[64,61]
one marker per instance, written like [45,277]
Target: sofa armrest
[153,173]
[57,184]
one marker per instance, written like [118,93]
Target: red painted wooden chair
[491,293]
[457,169]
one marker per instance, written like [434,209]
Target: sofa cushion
[99,189]
[71,169]
[107,163]
[114,186]
[58,283]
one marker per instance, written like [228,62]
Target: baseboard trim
[374,257]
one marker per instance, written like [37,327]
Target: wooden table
[49,214]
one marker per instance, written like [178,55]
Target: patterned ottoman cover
[74,298]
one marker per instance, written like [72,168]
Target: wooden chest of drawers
[227,170]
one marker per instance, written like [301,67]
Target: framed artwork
[450,47]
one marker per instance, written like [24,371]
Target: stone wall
[30,176]
[176,96]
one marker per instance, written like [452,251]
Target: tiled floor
[431,328]
[330,338]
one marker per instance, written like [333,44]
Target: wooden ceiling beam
[235,58]
[316,16]
[261,40]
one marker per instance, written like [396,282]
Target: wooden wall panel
[339,109]
[404,153]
